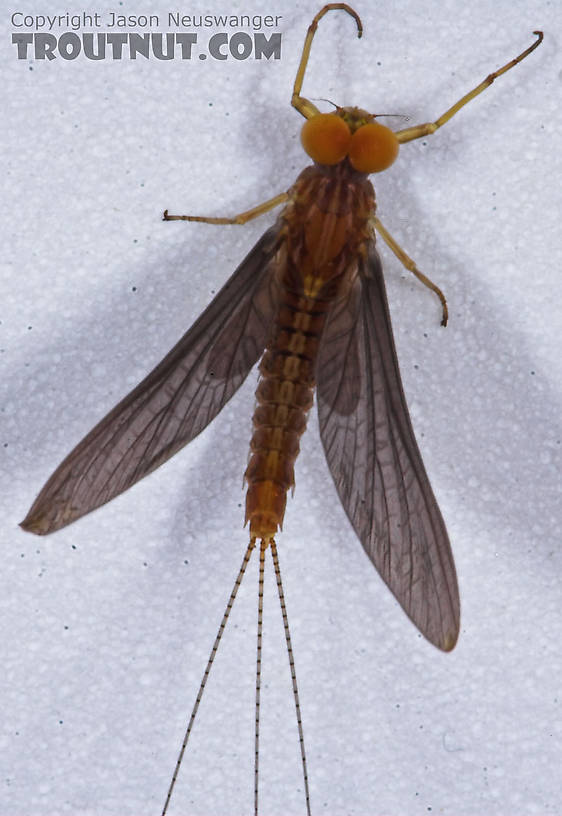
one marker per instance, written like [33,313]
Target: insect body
[323,230]
[309,300]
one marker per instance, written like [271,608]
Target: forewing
[375,461]
[174,402]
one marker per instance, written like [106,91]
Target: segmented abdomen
[284,397]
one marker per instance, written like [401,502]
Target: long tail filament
[264,544]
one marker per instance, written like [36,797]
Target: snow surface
[107,625]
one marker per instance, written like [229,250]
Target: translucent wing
[174,402]
[375,461]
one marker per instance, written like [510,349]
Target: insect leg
[303,105]
[241,218]
[418,131]
[411,266]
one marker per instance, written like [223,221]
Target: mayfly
[309,302]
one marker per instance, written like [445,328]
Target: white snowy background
[106,626]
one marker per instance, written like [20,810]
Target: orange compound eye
[326,138]
[373,148]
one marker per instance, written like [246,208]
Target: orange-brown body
[325,228]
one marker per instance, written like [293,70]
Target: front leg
[303,105]
[416,132]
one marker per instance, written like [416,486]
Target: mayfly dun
[309,303]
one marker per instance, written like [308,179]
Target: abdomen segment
[284,397]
